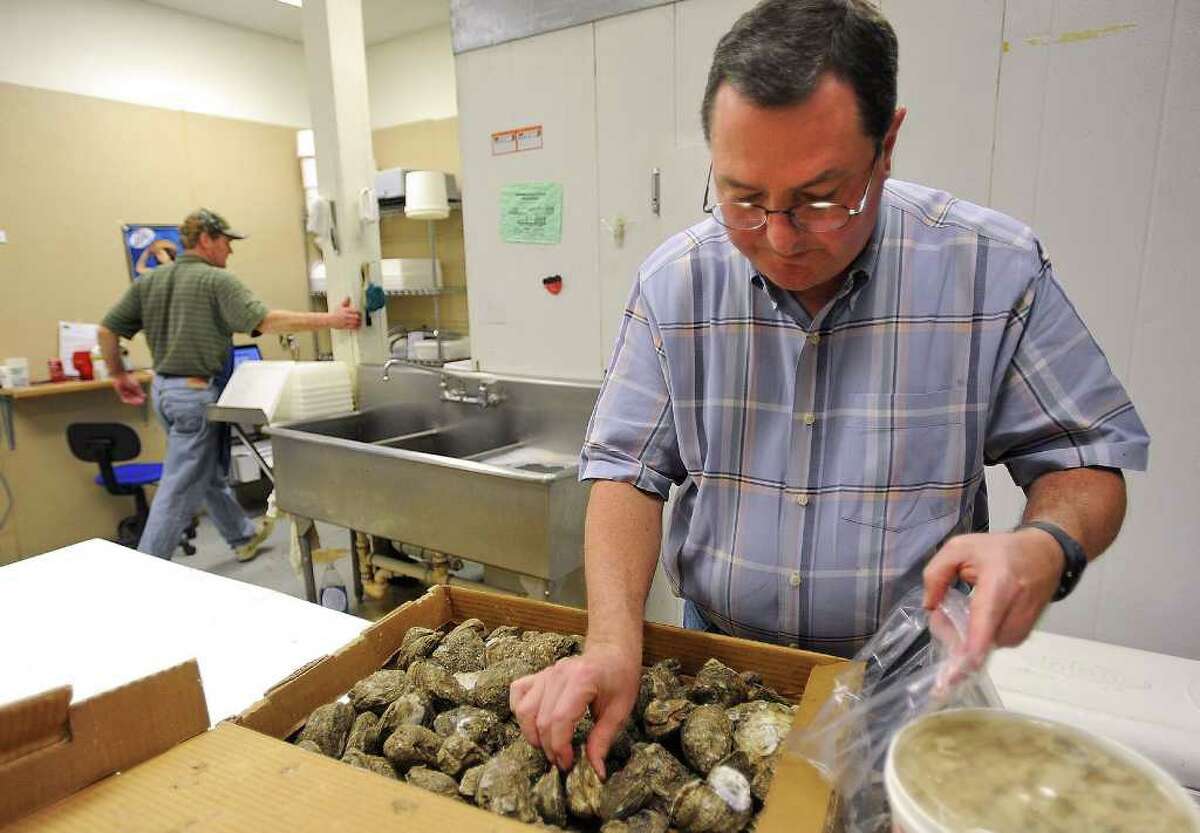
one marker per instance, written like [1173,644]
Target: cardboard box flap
[30,724]
[52,751]
[232,778]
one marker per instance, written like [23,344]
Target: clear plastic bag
[910,667]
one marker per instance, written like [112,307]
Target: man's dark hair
[776,53]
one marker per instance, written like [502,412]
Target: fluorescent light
[295,3]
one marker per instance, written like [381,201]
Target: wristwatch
[1076,558]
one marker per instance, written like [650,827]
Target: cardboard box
[168,773]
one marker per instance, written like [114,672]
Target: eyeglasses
[817,217]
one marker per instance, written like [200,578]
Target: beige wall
[72,170]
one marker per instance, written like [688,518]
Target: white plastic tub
[993,771]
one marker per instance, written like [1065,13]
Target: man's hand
[1014,575]
[345,318]
[128,389]
[550,703]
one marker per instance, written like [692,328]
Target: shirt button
[802,500]
[809,419]
[814,338]
[794,578]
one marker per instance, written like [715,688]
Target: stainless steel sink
[496,485]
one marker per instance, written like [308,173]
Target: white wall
[411,78]
[125,50]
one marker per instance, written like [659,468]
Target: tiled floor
[271,568]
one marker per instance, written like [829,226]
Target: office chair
[106,443]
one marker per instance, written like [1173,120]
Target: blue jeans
[694,620]
[192,477]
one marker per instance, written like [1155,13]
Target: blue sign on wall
[149,245]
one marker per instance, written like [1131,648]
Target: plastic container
[333,590]
[1006,771]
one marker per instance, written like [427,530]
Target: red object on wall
[553,284]
[81,360]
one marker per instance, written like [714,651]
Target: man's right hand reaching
[128,389]
[345,317]
[550,703]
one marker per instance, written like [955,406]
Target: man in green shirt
[189,310]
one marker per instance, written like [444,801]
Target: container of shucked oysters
[994,771]
[421,699]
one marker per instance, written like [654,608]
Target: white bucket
[909,815]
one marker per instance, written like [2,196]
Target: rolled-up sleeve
[1058,404]
[631,436]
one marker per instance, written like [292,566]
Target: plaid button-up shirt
[822,461]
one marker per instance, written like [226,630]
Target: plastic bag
[910,667]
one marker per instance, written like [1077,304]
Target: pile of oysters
[697,754]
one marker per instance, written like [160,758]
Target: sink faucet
[487,395]
[390,363]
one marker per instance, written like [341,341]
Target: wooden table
[9,395]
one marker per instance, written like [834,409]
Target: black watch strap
[1076,558]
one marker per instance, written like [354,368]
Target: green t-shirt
[207,306]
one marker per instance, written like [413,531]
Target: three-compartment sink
[498,485]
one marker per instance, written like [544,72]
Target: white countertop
[96,615]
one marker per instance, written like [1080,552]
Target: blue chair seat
[134,474]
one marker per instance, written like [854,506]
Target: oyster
[759,690]
[663,717]
[478,725]
[664,772]
[502,632]
[625,792]
[706,737]
[411,746]
[491,688]
[458,752]
[328,727]
[432,780]
[378,690]
[759,727]
[719,804]
[646,821]
[437,682]
[418,643]
[412,709]
[509,733]
[462,649]
[716,682]
[659,682]
[527,759]
[309,746]
[364,734]
[583,788]
[470,781]
[504,788]
[549,799]
[372,763]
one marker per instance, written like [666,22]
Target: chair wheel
[190,532]
[188,549]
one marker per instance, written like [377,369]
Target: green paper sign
[531,212]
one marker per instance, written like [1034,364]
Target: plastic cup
[912,814]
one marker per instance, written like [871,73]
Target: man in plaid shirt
[823,368]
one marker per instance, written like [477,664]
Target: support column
[336,60]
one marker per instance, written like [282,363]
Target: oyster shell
[706,737]
[470,781]
[502,632]
[716,682]
[663,718]
[372,763]
[375,692]
[462,649]
[478,725]
[309,746]
[504,788]
[549,798]
[626,792]
[411,746]
[437,682]
[659,682]
[458,752]
[432,780]
[328,727]
[664,772]
[528,759]
[759,727]
[646,821]
[364,735]
[583,788]
[412,709]
[721,803]
[418,643]
[491,688]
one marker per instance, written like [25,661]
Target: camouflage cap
[204,220]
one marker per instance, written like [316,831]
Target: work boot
[247,551]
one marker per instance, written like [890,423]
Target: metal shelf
[395,207]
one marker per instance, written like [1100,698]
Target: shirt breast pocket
[904,459]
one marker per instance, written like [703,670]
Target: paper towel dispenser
[389,186]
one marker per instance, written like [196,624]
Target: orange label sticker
[517,139]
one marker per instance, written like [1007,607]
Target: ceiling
[383,20]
